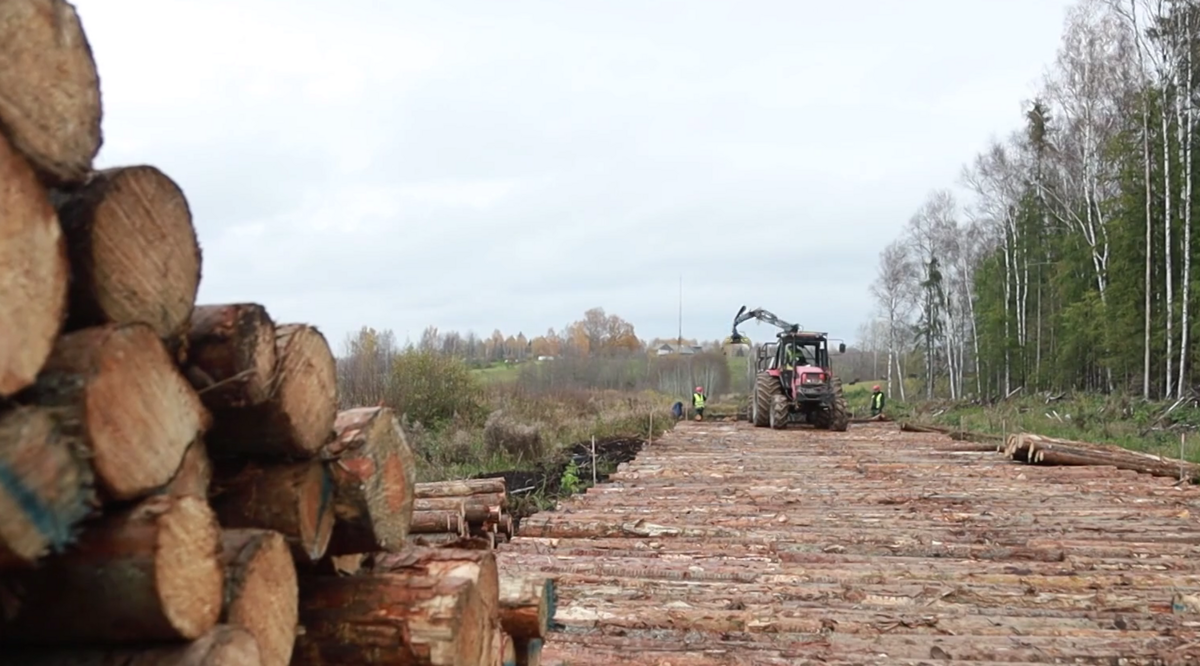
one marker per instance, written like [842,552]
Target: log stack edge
[179,486]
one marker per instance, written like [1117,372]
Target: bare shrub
[503,433]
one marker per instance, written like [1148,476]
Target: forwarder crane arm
[762,315]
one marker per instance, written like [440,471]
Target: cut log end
[478,566]
[294,499]
[231,354]
[420,619]
[50,88]
[261,591]
[298,418]
[138,411]
[33,265]
[41,449]
[149,573]
[134,253]
[307,384]
[184,582]
[374,475]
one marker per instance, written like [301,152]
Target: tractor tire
[779,411]
[839,416]
[765,387]
[822,419]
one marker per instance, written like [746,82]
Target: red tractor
[794,380]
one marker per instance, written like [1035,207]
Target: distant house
[545,358]
[668,348]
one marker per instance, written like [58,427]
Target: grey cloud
[480,165]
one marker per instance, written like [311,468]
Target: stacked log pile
[448,511]
[1041,450]
[177,486]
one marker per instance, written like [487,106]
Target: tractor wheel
[765,386]
[821,418]
[839,416]
[779,411]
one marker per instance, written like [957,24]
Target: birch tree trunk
[1185,147]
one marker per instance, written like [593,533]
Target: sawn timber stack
[727,544]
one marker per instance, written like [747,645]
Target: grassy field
[498,373]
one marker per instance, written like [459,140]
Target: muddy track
[728,544]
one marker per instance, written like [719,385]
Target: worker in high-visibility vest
[698,402]
[876,401]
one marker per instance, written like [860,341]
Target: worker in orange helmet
[877,400]
[698,403]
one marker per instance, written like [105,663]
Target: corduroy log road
[727,544]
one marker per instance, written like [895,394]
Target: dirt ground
[727,544]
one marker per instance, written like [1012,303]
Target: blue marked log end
[55,519]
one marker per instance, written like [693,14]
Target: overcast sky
[477,164]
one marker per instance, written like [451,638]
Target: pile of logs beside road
[177,484]
[448,511]
[1036,449]
[1041,450]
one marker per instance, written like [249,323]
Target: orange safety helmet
[876,388]
[699,389]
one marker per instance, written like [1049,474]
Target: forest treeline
[432,381]
[600,351]
[1069,265]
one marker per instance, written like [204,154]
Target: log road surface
[727,544]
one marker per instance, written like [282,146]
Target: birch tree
[893,290]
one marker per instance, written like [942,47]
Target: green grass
[498,372]
[1126,422]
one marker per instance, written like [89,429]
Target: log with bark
[477,509]
[294,499]
[527,605]
[50,89]
[148,573]
[47,482]
[395,619]
[1051,451]
[224,645]
[459,488]
[906,426]
[448,540]
[231,354]
[957,434]
[137,412]
[133,250]
[373,472]
[33,264]
[298,417]
[437,522]
[261,591]
[479,566]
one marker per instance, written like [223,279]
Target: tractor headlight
[812,378]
